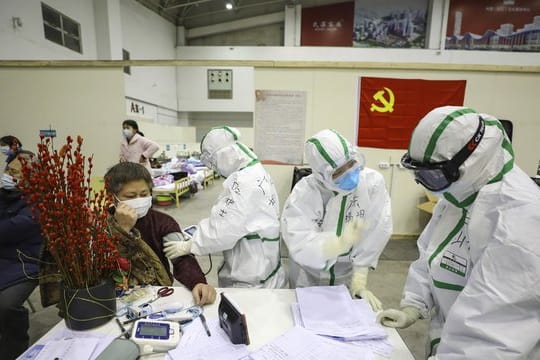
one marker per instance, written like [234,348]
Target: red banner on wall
[390,108]
[328,25]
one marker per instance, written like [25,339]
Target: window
[125,56]
[60,29]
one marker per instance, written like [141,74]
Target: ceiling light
[228,5]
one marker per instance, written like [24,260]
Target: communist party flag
[391,108]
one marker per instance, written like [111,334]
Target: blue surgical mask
[5,150]
[8,182]
[349,180]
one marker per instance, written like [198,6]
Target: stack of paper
[300,344]
[330,311]
[195,343]
[66,344]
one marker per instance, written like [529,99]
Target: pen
[124,331]
[203,320]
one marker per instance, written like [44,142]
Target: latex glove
[174,249]
[399,318]
[358,287]
[352,234]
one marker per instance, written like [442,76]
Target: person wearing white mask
[20,243]
[142,231]
[478,273]
[134,146]
[244,222]
[336,221]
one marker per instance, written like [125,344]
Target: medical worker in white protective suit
[336,221]
[244,223]
[478,273]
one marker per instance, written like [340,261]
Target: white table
[268,314]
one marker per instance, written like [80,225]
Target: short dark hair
[125,172]
[10,140]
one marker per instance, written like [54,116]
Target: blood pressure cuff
[120,349]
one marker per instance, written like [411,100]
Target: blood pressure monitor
[155,336]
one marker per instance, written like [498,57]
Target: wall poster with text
[501,25]
[280,122]
[390,24]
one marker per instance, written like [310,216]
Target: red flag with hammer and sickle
[391,108]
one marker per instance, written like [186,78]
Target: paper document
[195,344]
[329,310]
[81,345]
[300,344]
[68,349]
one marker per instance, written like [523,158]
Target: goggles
[350,164]
[439,176]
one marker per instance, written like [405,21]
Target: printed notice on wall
[280,119]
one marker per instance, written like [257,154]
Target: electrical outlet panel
[220,84]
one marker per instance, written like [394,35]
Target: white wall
[29,42]
[72,101]
[193,90]
[148,36]
[273,54]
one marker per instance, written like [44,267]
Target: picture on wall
[501,25]
[327,25]
[391,108]
[390,24]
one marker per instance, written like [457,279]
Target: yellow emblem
[387,104]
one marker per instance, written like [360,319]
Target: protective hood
[444,131]
[326,151]
[221,151]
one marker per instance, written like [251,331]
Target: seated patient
[142,232]
[20,242]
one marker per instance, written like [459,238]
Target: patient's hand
[125,216]
[203,294]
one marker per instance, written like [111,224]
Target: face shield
[439,176]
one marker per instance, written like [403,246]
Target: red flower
[124,264]
[72,215]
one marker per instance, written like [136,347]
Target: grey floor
[386,281]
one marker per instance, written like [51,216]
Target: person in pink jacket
[135,147]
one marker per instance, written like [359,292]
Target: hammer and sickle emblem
[387,104]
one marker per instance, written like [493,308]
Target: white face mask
[5,150]
[141,205]
[127,133]
[8,182]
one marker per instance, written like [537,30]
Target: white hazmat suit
[317,211]
[244,223]
[478,273]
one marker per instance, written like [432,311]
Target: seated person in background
[20,242]
[10,146]
[244,222]
[142,232]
